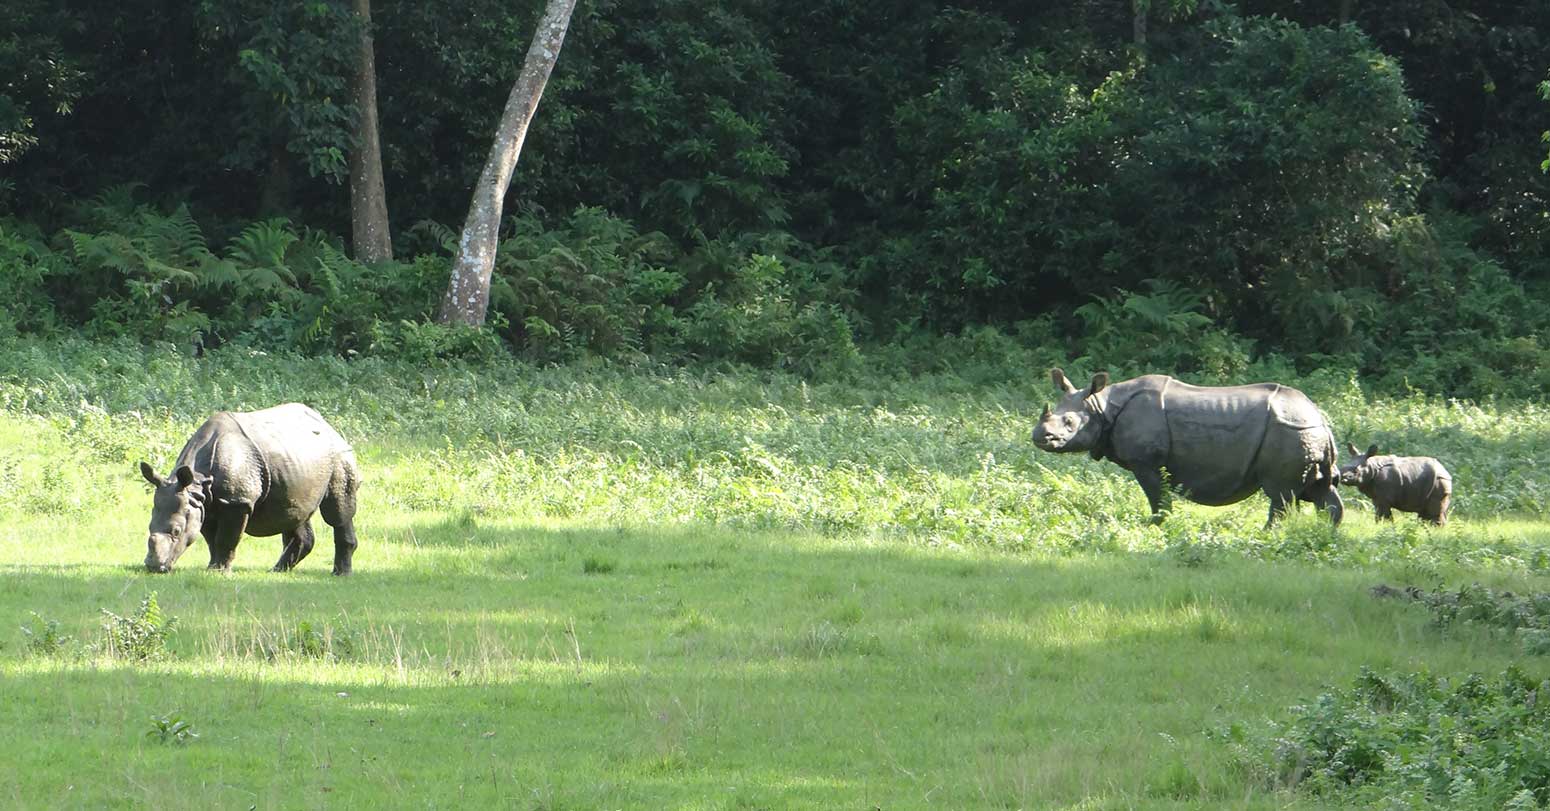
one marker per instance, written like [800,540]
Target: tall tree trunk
[1139,9]
[1345,10]
[468,292]
[368,195]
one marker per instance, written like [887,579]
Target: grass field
[607,588]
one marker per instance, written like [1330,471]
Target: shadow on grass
[588,667]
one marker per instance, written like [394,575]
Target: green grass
[606,588]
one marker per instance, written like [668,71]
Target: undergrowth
[1420,741]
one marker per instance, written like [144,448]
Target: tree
[368,194]
[468,291]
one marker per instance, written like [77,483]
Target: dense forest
[1211,189]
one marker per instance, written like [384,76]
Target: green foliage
[43,638]
[1422,741]
[171,729]
[140,637]
[596,286]
[1162,329]
[747,184]
[293,71]
[42,80]
[1525,618]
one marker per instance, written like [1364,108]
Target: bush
[43,637]
[140,637]
[1424,742]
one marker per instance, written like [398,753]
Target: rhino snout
[159,553]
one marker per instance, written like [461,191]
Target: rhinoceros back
[1224,443]
[300,453]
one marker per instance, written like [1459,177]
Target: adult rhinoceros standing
[1213,445]
[260,472]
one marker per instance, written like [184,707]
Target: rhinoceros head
[177,515]
[1075,423]
[1357,472]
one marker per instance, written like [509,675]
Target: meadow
[604,586]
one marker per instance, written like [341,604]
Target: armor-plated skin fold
[257,473]
[1213,445]
[1413,484]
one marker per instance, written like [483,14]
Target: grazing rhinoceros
[1212,445]
[1412,484]
[260,472]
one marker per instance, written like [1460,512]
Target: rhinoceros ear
[1351,450]
[185,476]
[1062,384]
[1100,380]
[1372,450]
[149,474]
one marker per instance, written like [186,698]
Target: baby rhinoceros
[1414,484]
[260,472]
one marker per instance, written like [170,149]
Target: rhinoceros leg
[1382,512]
[298,542]
[1279,500]
[338,510]
[1152,481]
[229,527]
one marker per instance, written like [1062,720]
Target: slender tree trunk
[368,195]
[1346,7]
[1138,21]
[468,292]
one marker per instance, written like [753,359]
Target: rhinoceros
[260,472]
[1212,445]
[1412,484]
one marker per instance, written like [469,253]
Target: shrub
[43,637]
[172,728]
[1424,742]
[140,637]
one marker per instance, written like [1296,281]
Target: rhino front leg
[1153,482]
[223,543]
[1382,512]
[298,543]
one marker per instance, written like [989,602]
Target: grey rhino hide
[256,473]
[1213,445]
[1415,484]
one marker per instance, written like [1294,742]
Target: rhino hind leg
[338,510]
[298,543]
[1279,501]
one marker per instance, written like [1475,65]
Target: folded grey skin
[1414,484]
[259,473]
[1213,445]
